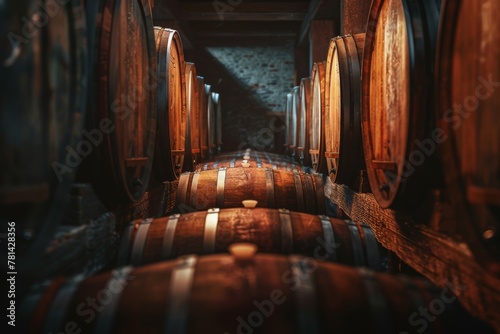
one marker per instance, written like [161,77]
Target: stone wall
[253,83]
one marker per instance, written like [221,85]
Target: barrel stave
[217,294]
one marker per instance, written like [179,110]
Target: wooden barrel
[317,127]
[226,294]
[273,231]
[42,105]
[218,121]
[239,161]
[467,78]
[204,101]
[172,122]
[288,124]
[249,154]
[122,100]
[304,122]
[293,115]
[192,107]
[226,188]
[398,98]
[343,140]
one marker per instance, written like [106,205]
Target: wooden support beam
[445,260]
[354,16]
[319,40]
[167,14]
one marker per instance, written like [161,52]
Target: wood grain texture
[215,294]
[467,113]
[172,122]
[354,16]
[122,100]
[343,142]
[441,258]
[262,227]
[288,190]
[317,127]
[398,100]
[193,108]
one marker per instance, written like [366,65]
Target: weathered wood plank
[441,258]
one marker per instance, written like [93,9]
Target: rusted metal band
[309,196]
[179,291]
[329,236]
[123,253]
[221,183]
[299,191]
[194,188]
[106,318]
[183,188]
[55,317]
[357,246]
[320,194]
[306,296]
[168,237]
[378,303]
[140,242]
[286,231]
[270,188]
[257,159]
[373,260]
[210,234]
[268,158]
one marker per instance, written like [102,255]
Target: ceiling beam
[306,24]
[167,14]
[318,9]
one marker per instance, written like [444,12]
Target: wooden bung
[273,231]
[227,187]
